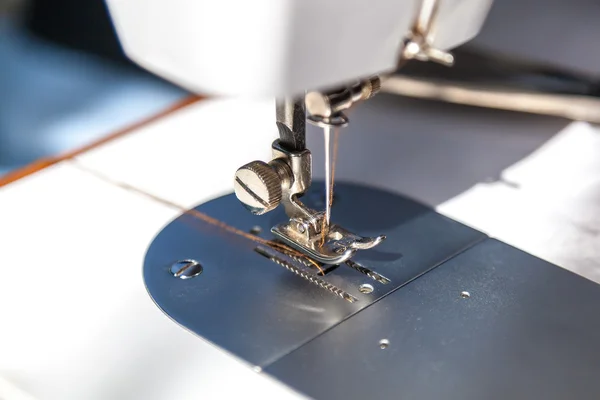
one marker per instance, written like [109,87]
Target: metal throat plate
[261,305]
[449,313]
[491,323]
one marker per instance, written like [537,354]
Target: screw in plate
[383,344]
[186,269]
[465,295]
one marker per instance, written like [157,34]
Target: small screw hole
[465,295]
[383,344]
[256,230]
[365,288]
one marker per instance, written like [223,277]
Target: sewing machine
[255,292]
[294,50]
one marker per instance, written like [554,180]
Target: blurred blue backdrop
[58,90]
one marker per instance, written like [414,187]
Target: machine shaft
[291,123]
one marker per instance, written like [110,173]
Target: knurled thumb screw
[258,187]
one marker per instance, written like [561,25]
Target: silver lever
[418,43]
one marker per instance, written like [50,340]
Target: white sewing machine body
[273,48]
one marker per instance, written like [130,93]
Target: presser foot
[261,187]
[335,247]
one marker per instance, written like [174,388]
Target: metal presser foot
[261,187]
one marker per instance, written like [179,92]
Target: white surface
[277,47]
[9,391]
[193,154]
[568,163]
[76,320]
[547,204]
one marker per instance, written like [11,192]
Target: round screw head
[258,187]
[186,269]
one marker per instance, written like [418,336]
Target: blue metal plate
[526,330]
[256,309]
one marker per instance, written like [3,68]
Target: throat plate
[259,303]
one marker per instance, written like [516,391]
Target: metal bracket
[325,109]
[304,229]
[417,44]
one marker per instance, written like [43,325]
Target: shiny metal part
[258,186]
[291,123]
[303,230]
[186,269]
[295,171]
[418,43]
[326,108]
[575,107]
[328,181]
[366,271]
[261,187]
[315,280]
[339,246]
